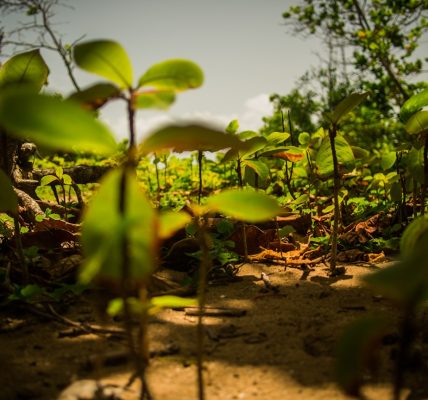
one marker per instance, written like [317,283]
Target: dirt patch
[283,347]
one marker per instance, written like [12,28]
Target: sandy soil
[282,348]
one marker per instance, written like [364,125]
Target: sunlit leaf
[189,138]
[324,158]
[304,138]
[277,137]
[417,124]
[233,126]
[53,123]
[357,351]
[8,198]
[259,167]
[47,180]
[154,99]
[412,236]
[244,205]
[27,68]
[171,221]
[414,104]
[96,96]
[105,58]
[346,106]
[244,135]
[66,179]
[252,146]
[105,229]
[388,160]
[173,75]
[171,302]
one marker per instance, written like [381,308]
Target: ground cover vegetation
[337,175]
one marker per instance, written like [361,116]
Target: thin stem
[20,251]
[200,159]
[425,185]
[203,272]
[332,135]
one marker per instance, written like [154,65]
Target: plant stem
[425,185]
[200,158]
[20,252]
[203,272]
[332,135]
[244,226]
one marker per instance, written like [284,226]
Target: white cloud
[250,118]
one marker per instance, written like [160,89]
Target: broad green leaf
[388,160]
[47,180]
[244,205]
[346,106]
[171,221]
[173,75]
[27,68]
[8,198]
[105,58]
[259,167]
[154,99]
[105,229]
[247,135]
[304,138]
[96,96]
[277,137]
[269,151]
[414,104]
[53,123]
[189,138]
[230,155]
[417,124]
[413,235]
[171,302]
[415,164]
[252,146]
[360,153]
[233,126]
[254,180]
[66,179]
[356,350]
[290,153]
[324,158]
[59,172]
[304,198]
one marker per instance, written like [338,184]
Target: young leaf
[324,158]
[173,75]
[244,205]
[66,179]
[417,124]
[27,68]
[277,137]
[53,123]
[346,106]
[252,145]
[171,221]
[414,104]
[96,96]
[47,180]
[171,302]
[8,198]
[105,228]
[107,59]
[259,167]
[388,160]
[233,126]
[154,99]
[189,138]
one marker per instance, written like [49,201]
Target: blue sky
[243,47]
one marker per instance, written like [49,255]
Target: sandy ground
[282,348]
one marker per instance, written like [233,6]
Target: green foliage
[346,106]
[417,124]
[105,58]
[244,205]
[172,221]
[174,75]
[324,159]
[414,104]
[27,68]
[105,229]
[189,138]
[53,123]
